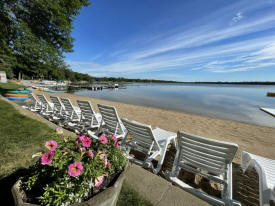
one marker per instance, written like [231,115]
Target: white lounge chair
[46,106]
[72,114]
[110,121]
[266,170]
[89,118]
[214,156]
[59,110]
[34,105]
[152,143]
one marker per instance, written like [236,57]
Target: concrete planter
[108,197]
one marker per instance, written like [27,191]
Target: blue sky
[182,40]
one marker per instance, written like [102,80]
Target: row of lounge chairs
[211,159]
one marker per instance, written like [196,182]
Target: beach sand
[255,139]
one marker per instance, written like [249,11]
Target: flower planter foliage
[73,170]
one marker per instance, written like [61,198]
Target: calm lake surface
[233,102]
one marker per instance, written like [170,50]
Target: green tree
[35,34]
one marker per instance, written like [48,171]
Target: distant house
[3,77]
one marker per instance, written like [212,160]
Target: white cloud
[237,17]
[197,46]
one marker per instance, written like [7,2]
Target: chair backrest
[44,101]
[141,134]
[111,119]
[69,107]
[211,155]
[33,99]
[57,103]
[87,110]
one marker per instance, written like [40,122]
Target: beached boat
[54,91]
[112,86]
[23,91]
[18,98]
[15,95]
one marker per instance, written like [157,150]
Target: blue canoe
[18,91]
[54,91]
[18,98]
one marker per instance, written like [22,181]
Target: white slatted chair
[46,106]
[214,156]
[89,118]
[152,143]
[34,105]
[72,114]
[110,121]
[59,110]
[266,170]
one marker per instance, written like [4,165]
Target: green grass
[130,197]
[4,87]
[20,137]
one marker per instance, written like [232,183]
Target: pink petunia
[103,139]
[102,155]
[99,181]
[117,145]
[81,138]
[81,150]
[90,153]
[86,141]
[109,165]
[51,145]
[114,139]
[75,169]
[47,158]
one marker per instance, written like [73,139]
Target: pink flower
[103,139]
[81,150]
[117,145]
[90,153]
[86,141]
[51,145]
[75,169]
[109,165]
[114,139]
[102,155]
[81,138]
[47,158]
[99,181]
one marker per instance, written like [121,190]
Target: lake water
[233,102]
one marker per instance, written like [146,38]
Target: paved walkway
[158,190]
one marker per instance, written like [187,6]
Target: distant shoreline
[236,83]
[243,83]
[233,83]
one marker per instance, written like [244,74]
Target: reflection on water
[234,102]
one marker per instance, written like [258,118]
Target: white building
[3,77]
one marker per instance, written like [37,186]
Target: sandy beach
[251,138]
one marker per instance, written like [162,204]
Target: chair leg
[162,157]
